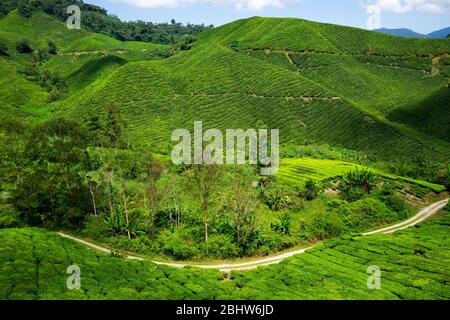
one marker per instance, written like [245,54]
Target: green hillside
[414,265]
[215,80]
[318,83]
[81,58]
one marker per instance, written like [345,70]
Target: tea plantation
[318,83]
[414,265]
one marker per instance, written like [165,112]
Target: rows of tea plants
[34,265]
[297,171]
[413,264]
[303,35]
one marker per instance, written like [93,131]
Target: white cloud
[402,6]
[254,5]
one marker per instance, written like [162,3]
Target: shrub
[358,178]
[388,196]
[3,48]
[325,225]
[177,244]
[367,212]
[52,48]
[353,194]
[280,197]
[220,246]
[270,241]
[283,225]
[41,55]
[234,45]
[311,190]
[95,227]
[23,46]
[9,218]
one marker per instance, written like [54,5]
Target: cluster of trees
[88,177]
[31,70]
[97,20]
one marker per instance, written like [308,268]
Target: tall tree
[206,186]
[243,202]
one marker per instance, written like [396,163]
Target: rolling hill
[318,83]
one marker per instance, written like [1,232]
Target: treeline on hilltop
[96,19]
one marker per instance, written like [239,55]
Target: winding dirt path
[424,214]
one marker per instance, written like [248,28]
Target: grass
[413,263]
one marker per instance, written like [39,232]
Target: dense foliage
[97,20]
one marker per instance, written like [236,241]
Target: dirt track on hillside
[424,214]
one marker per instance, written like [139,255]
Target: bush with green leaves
[220,246]
[283,224]
[326,225]
[312,190]
[280,196]
[3,48]
[9,217]
[178,244]
[368,212]
[362,179]
[23,46]
[388,195]
[52,48]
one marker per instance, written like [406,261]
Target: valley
[88,177]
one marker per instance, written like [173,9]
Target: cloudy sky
[420,15]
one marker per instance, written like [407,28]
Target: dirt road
[424,214]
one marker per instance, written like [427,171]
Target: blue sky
[420,15]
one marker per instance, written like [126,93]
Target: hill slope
[318,83]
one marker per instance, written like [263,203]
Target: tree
[23,46]
[114,126]
[311,190]
[172,199]
[243,203]
[94,186]
[152,198]
[52,191]
[206,180]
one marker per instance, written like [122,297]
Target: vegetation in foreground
[86,179]
[413,262]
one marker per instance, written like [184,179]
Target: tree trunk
[206,221]
[93,200]
[125,207]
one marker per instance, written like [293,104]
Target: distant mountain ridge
[408,33]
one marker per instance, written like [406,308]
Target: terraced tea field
[280,73]
[297,171]
[414,265]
